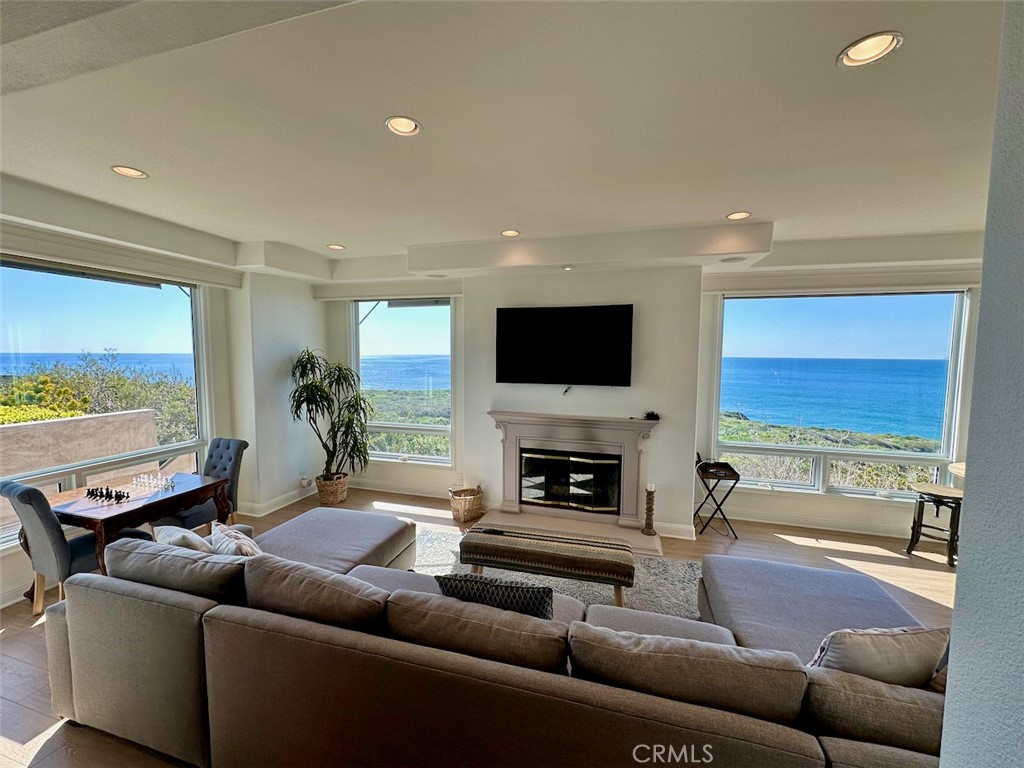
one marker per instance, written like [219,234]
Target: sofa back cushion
[902,656]
[307,592]
[216,577]
[478,630]
[765,684]
[856,707]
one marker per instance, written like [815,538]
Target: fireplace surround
[581,467]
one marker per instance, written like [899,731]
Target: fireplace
[580,467]
[570,480]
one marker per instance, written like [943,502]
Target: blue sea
[900,397]
[429,372]
[17,363]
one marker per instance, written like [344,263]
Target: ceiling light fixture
[869,49]
[567,268]
[510,233]
[403,126]
[733,259]
[336,246]
[128,172]
[738,215]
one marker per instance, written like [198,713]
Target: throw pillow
[228,541]
[518,596]
[905,656]
[174,536]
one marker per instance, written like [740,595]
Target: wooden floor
[31,735]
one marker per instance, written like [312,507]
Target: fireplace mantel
[617,435]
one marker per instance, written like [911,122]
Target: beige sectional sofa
[269,662]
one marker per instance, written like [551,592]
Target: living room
[687,160]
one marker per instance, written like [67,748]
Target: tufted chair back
[225,460]
[51,555]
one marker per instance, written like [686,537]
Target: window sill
[418,461]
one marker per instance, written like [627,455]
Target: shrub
[21,414]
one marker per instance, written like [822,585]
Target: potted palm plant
[326,396]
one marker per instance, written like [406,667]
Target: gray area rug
[662,585]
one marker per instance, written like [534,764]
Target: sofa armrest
[644,623]
[58,658]
[246,530]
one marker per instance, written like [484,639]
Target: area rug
[662,585]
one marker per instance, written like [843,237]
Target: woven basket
[467,503]
[332,491]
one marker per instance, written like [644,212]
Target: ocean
[903,397]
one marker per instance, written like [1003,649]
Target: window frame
[822,458]
[76,475]
[414,429]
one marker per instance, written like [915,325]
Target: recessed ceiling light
[336,247]
[733,259]
[738,215]
[870,49]
[403,126]
[510,233]
[129,172]
[567,268]
[435,276]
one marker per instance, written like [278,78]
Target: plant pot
[332,491]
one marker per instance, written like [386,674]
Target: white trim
[12,595]
[263,509]
[397,289]
[675,530]
[830,522]
[796,282]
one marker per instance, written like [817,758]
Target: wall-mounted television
[565,345]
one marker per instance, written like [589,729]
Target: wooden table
[105,518]
[958,469]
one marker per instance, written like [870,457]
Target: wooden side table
[940,496]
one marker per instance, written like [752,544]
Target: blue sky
[876,327]
[42,312]
[404,330]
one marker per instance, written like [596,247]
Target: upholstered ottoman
[340,539]
[781,607]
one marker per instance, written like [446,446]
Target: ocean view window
[839,392]
[404,361]
[92,368]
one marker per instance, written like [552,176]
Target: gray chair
[224,459]
[53,556]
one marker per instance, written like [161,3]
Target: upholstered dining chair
[224,459]
[54,557]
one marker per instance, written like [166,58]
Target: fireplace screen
[571,480]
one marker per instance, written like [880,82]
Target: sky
[404,330]
[43,312]
[906,327]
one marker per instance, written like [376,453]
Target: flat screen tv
[565,345]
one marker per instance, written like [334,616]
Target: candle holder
[648,529]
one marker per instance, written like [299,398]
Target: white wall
[665,337]
[983,722]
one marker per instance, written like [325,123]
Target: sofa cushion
[307,592]
[228,541]
[766,684]
[564,608]
[856,707]
[528,599]
[843,753]
[339,539]
[173,536]
[478,630]
[213,576]
[905,656]
[792,607]
[644,623]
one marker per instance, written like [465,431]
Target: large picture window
[93,368]
[405,364]
[839,392]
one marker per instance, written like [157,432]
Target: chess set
[107,494]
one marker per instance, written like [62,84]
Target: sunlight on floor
[21,748]
[406,509]
[841,546]
[934,586]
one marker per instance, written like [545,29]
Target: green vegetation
[734,427]
[103,384]
[402,406]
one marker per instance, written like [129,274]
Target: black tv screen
[565,345]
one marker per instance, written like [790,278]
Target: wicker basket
[332,491]
[467,503]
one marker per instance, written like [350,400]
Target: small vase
[332,491]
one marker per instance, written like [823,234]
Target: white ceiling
[553,118]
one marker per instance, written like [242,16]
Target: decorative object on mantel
[467,503]
[327,397]
[648,529]
[652,416]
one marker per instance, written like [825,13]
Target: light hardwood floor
[31,735]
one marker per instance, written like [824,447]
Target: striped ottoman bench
[567,555]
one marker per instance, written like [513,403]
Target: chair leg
[40,592]
[60,591]
[620,597]
[953,543]
[915,527]
[476,569]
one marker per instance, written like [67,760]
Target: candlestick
[650,487]
[648,529]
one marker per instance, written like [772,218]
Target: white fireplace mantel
[621,436]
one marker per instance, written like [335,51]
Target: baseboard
[675,530]
[249,509]
[430,491]
[15,594]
